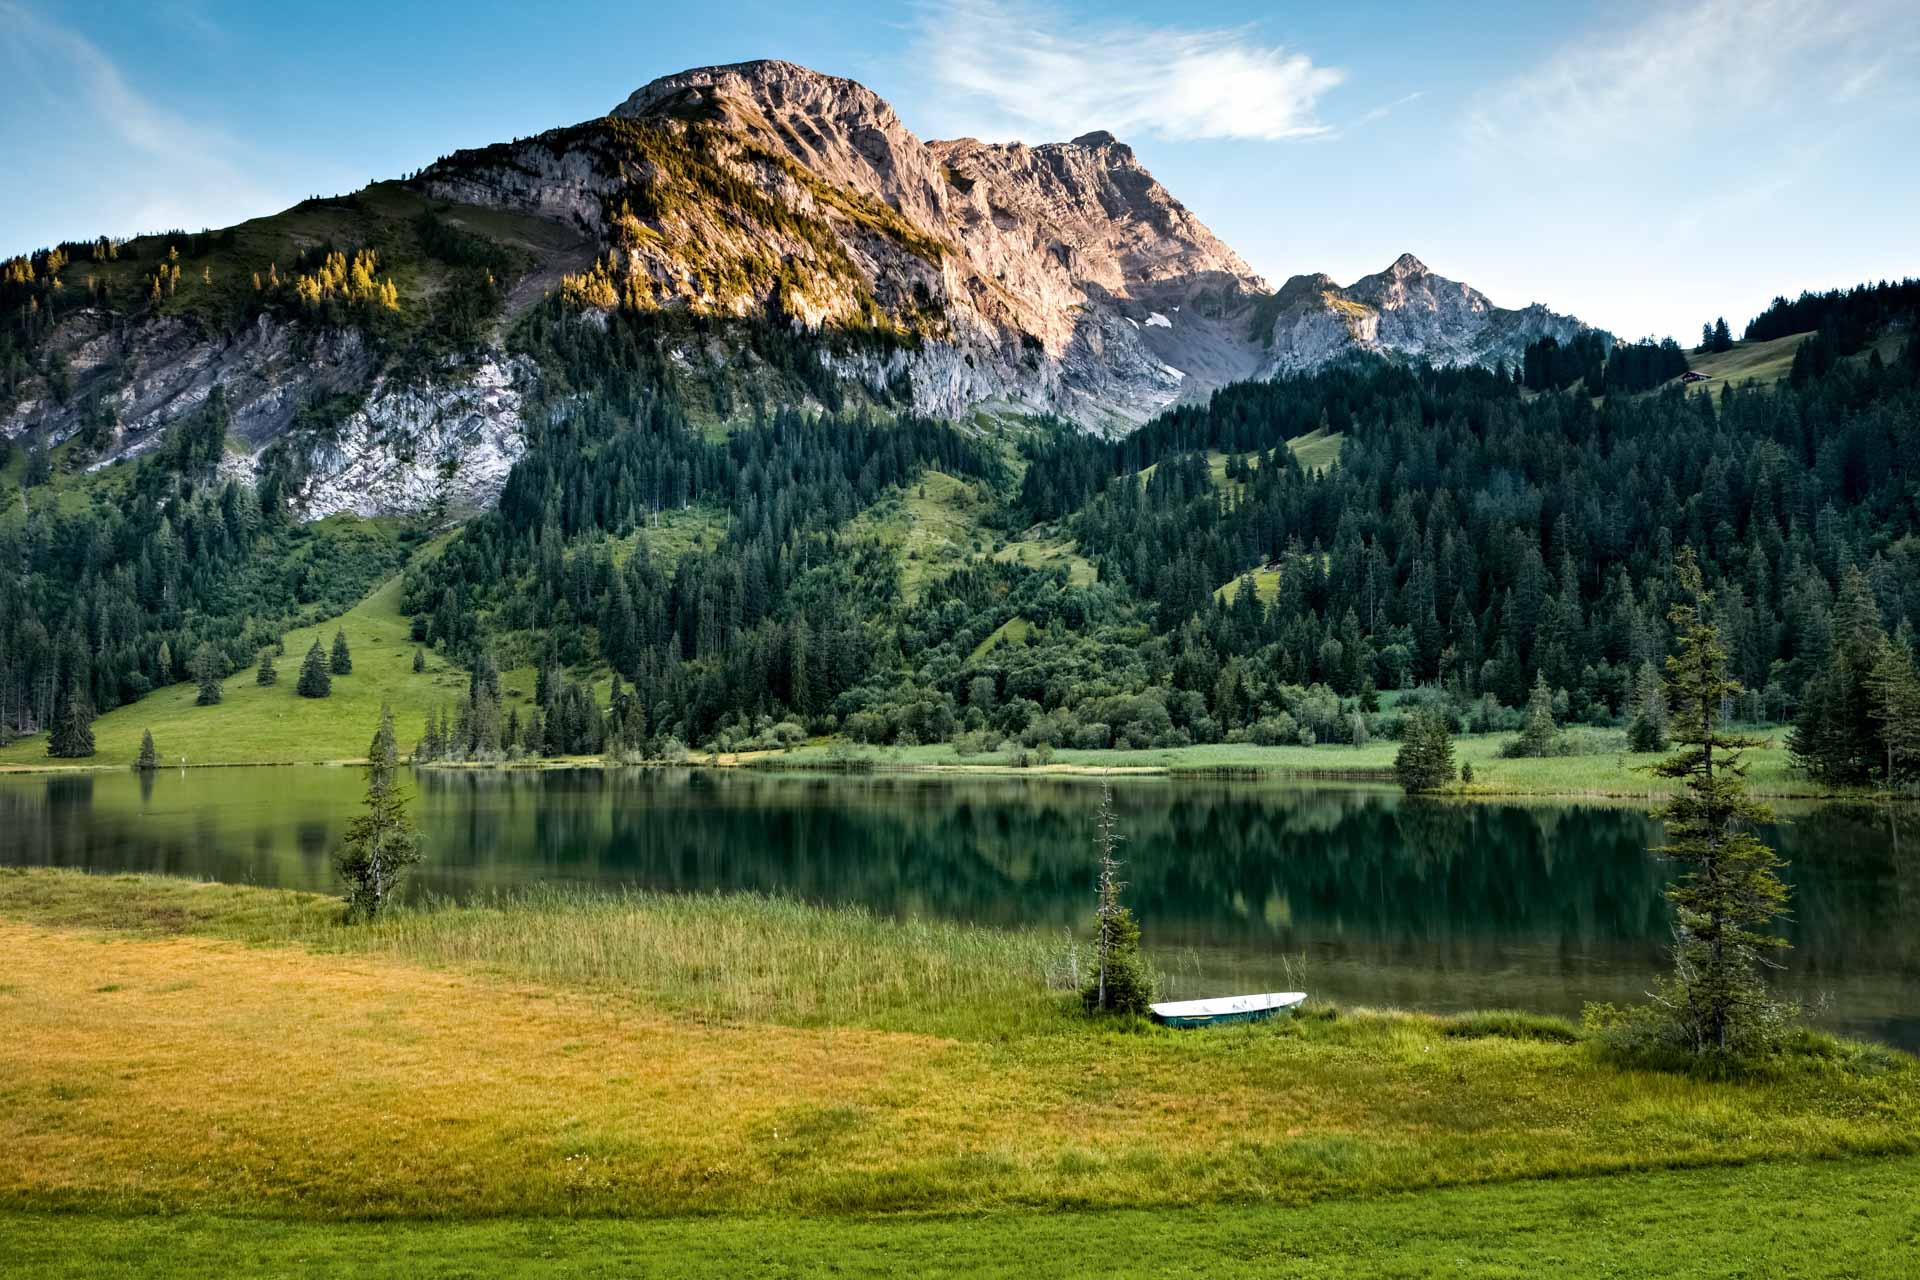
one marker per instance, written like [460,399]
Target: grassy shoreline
[1616,776]
[537,1067]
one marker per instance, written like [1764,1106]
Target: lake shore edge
[1566,777]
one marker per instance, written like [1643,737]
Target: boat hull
[1214,1013]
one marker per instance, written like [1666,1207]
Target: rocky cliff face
[1059,278]
[1042,278]
[1405,311]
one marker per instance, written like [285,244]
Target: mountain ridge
[947,277]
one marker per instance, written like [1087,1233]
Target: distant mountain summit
[1405,311]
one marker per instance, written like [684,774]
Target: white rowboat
[1207,1013]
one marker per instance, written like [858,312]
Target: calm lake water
[1354,894]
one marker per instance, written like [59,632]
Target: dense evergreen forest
[1485,538]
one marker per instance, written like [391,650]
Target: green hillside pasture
[273,724]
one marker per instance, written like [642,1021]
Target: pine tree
[149,758]
[266,673]
[1731,890]
[206,670]
[382,842]
[1118,980]
[1895,694]
[71,737]
[314,680]
[1836,737]
[1647,711]
[342,662]
[419,660]
[1425,759]
[1540,735]
[1722,336]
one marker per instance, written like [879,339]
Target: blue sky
[1644,166]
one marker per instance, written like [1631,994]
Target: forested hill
[1473,537]
[1258,568]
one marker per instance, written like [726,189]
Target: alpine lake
[1354,894]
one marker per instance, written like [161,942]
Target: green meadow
[211,1077]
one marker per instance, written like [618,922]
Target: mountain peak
[762,79]
[1408,265]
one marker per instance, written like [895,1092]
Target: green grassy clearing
[1013,631]
[1049,551]
[932,527]
[1606,774]
[273,724]
[1829,1219]
[1317,450]
[1266,587]
[1762,362]
[672,533]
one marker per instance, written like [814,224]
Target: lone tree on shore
[149,758]
[206,670]
[266,673]
[314,680]
[1425,759]
[1118,980]
[381,843]
[342,661]
[1730,891]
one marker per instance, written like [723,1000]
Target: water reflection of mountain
[1222,870]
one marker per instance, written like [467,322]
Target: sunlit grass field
[177,1046]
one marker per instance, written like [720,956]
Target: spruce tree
[1647,711]
[1425,759]
[1837,737]
[314,680]
[71,737]
[1894,690]
[1118,979]
[419,660]
[149,758]
[1539,736]
[206,670]
[266,673]
[1722,336]
[381,843]
[342,661]
[1730,891]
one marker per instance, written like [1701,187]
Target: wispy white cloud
[1685,70]
[1386,109]
[1007,70]
[167,169]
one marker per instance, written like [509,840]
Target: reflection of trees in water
[1210,864]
